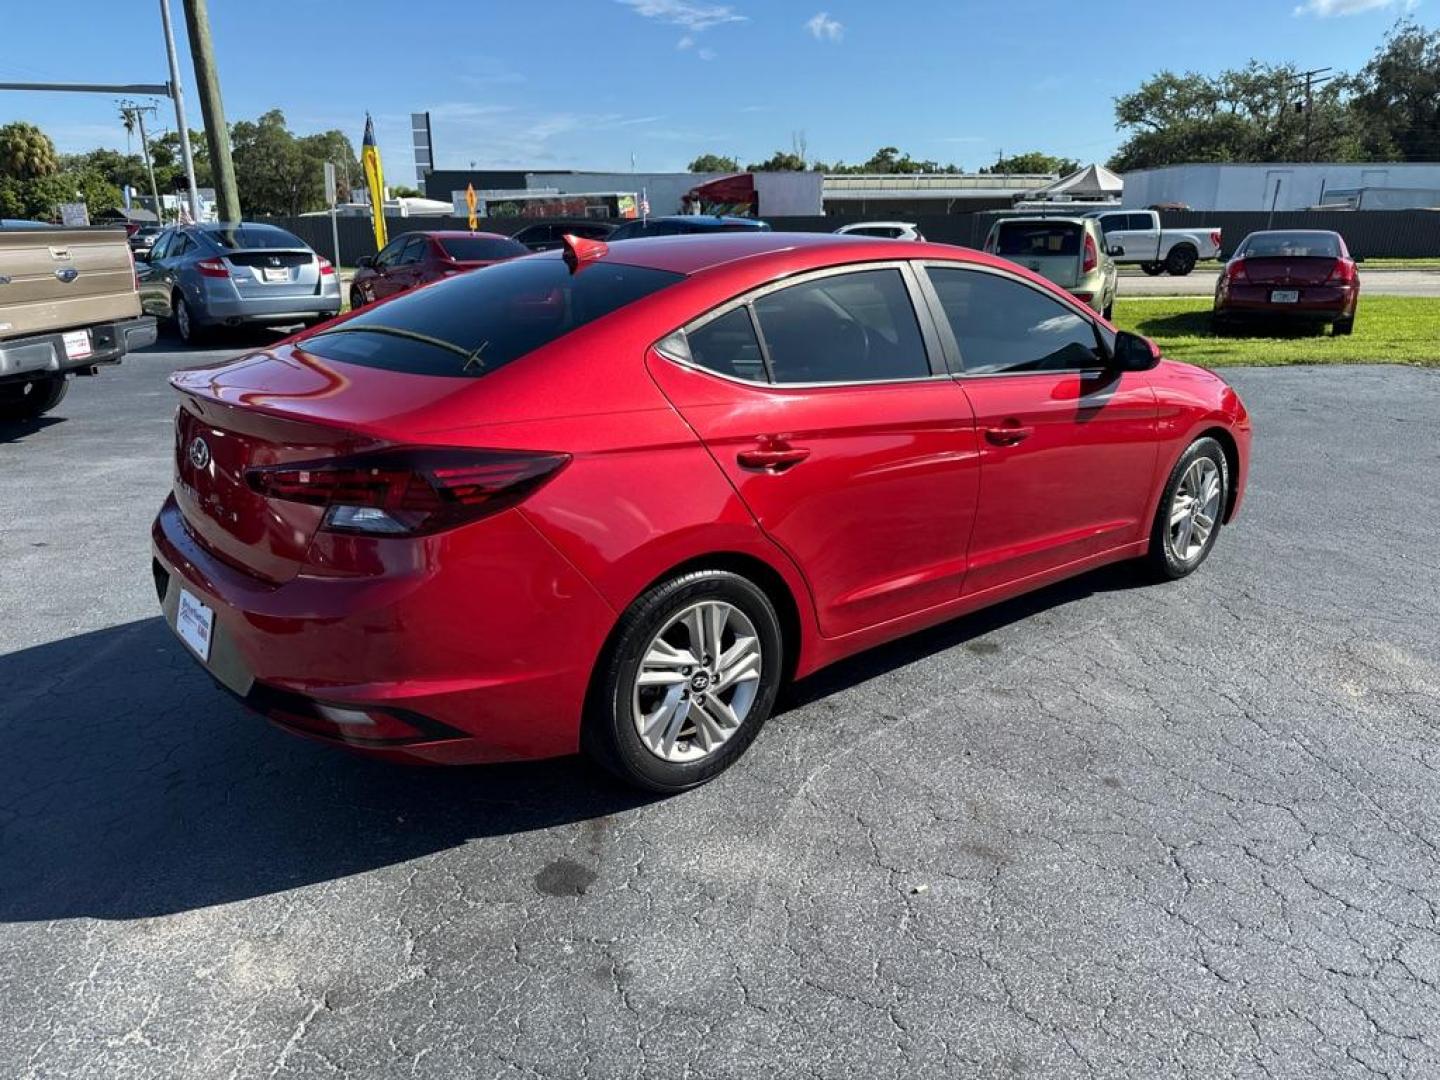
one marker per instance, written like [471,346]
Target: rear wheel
[1181,260]
[1153,269]
[1188,519]
[1344,327]
[27,400]
[687,683]
[357,298]
[1109,312]
[191,333]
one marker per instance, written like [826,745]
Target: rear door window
[727,345]
[852,327]
[1004,326]
[1037,239]
[477,322]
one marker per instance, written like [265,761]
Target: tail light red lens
[1235,272]
[1092,257]
[326,267]
[1343,273]
[1215,237]
[212,268]
[409,492]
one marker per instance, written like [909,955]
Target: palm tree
[26,152]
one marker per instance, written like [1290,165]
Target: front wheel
[688,681]
[1188,519]
[1152,269]
[27,400]
[357,299]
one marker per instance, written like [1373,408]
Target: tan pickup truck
[67,305]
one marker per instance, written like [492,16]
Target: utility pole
[180,123]
[1310,81]
[207,85]
[134,116]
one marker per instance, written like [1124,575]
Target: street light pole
[134,113]
[178,99]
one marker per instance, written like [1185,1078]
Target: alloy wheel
[182,319]
[1194,509]
[697,681]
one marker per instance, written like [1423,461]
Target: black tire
[188,330]
[1162,560]
[1181,260]
[357,299]
[1343,327]
[1109,312]
[609,734]
[1152,269]
[27,400]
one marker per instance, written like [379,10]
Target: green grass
[1132,270]
[1388,330]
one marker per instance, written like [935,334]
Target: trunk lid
[61,278]
[1289,270]
[1052,249]
[275,407]
[274,272]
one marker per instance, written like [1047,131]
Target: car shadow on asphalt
[131,786]
[15,430]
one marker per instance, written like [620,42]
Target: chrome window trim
[948,334]
[929,336]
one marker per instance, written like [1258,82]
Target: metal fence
[1368,233]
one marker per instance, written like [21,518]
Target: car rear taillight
[1215,237]
[212,268]
[326,267]
[1343,273]
[409,492]
[1235,272]
[1092,257]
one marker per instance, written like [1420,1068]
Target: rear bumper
[1316,302]
[223,303]
[42,354]
[481,646]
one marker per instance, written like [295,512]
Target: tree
[1032,161]
[26,152]
[779,161]
[278,173]
[1396,98]
[405,191]
[888,159]
[714,163]
[39,197]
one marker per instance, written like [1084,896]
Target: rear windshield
[482,320]
[1291,245]
[1038,238]
[254,236]
[480,248]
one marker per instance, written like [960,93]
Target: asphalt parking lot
[1113,830]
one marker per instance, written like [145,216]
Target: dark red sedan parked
[610,498]
[417,258]
[1300,274]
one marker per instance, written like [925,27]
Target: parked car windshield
[482,320]
[1291,245]
[254,236]
[1037,238]
[480,248]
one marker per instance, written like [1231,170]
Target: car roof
[879,224]
[1036,219]
[707,219]
[455,234]
[696,252]
[1293,232]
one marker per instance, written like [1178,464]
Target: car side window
[180,244]
[414,251]
[1114,223]
[852,327]
[728,346]
[391,251]
[1003,326]
[1140,222]
[162,244]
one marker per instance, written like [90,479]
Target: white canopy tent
[1091,182]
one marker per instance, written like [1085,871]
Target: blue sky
[588,83]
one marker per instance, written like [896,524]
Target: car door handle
[772,458]
[1008,435]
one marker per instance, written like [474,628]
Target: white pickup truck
[1157,250]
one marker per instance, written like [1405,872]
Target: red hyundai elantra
[611,498]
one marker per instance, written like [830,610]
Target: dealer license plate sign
[194,623]
[77,345]
[1285,296]
[277,273]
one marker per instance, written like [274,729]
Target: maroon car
[417,258]
[1300,274]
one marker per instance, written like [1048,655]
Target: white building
[1381,185]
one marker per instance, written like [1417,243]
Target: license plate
[77,344]
[1285,296]
[277,273]
[194,623]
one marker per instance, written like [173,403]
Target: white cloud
[823,28]
[694,17]
[1325,9]
[686,42]
[706,54]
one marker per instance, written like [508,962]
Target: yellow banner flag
[374,181]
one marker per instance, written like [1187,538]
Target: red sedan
[1295,274]
[611,498]
[418,258]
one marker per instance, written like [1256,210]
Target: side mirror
[365,260]
[1115,251]
[1135,353]
[1357,258]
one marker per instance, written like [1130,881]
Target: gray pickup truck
[68,305]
